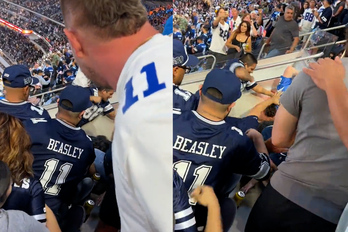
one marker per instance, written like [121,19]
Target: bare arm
[205,196]
[51,222]
[284,128]
[249,45]
[112,115]
[260,89]
[243,74]
[259,108]
[216,22]
[294,44]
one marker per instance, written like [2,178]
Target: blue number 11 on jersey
[153,86]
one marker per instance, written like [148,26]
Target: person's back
[23,110]
[145,73]
[62,156]
[206,147]
[317,161]
[28,197]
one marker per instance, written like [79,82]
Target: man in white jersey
[219,36]
[116,47]
[308,20]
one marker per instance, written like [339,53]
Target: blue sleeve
[38,202]
[184,100]
[183,213]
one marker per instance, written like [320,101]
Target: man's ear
[200,89]
[81,114]
[74,42]
[231,106]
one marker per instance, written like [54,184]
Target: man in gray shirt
[310,189]
[285,35]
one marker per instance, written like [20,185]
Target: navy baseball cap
[18,76]
[180,56]
[224,81]
[78,96]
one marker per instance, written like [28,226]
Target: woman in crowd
[27,194]
[240,37]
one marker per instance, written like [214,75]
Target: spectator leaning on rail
[285,35]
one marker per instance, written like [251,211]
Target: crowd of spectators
[194,21]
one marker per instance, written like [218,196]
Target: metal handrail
[308,39]
[328,44]
[48,92]
[326,29]
[207,56]
[288,61]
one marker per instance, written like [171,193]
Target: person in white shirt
[220,30]
[116,47]
[308,20]
[235,20]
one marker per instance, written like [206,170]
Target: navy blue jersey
[200,48]
[62,156]
[183,213]
[205,38]
[102,108]
[177,35]
[23,110]
[184,100]
[70,79]
[204,151]
[325,17]
[28,197]
[232,65]
[244,124]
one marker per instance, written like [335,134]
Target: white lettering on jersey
[25,184]
[64,149]
[187,145]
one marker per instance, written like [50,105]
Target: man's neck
[65,120]
[110,51]
[210,114]
[14,99]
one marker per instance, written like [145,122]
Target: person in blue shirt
[63,153]
[181,62]
[18,82]
[200,47]
[69,77]
[207,150]
[177,33]
[101,105]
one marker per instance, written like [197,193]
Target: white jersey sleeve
[142,145]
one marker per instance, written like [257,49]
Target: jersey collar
[200,117]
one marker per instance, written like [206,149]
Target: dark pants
[274,213]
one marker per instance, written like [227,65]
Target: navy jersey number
[309,17]
[223,34]
[153,86]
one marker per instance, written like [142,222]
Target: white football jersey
[308,20]
[143,137]
[219,38]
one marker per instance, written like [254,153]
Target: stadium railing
[310,34]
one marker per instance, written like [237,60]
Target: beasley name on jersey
[62,155]
[142,139]
[28,197]
[23,110]
[203,149]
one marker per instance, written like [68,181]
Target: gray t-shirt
[15,220]
[314,175]
[284,34]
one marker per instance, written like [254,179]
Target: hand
[325,72]
[95,99]
[238,49]
[289,51]
[299,28]
[276,97]
[253,134]
[268,41]
[204,195]
[249,185]
[260,11]
[315,13]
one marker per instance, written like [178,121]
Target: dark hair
[101,142]
[218,11]
[271,110]
[5,177]
[215,93]
[238,30]
[248,59]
